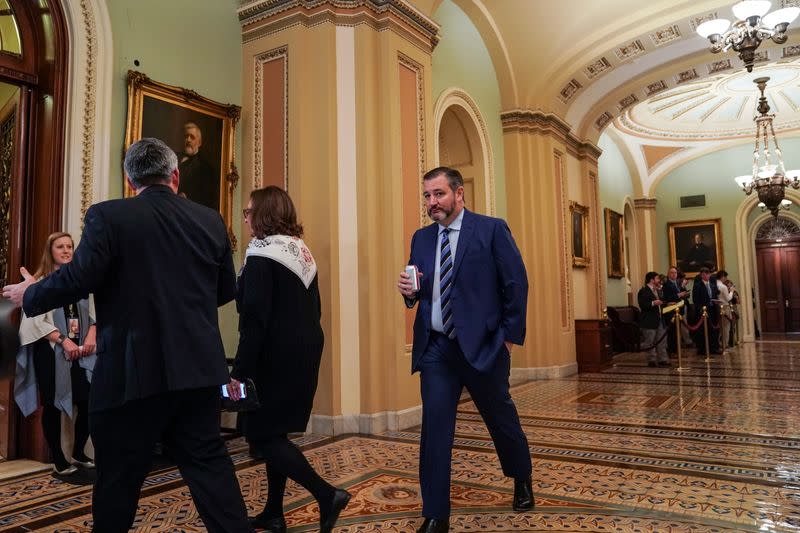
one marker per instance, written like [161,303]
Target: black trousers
[187,422]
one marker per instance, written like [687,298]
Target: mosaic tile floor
[713,448]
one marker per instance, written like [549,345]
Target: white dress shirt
[436,307]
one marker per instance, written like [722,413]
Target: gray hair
[149,161]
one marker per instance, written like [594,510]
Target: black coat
[159,266]
[700,298]
[280,346]
[650,316]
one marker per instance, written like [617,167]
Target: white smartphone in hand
[242,391]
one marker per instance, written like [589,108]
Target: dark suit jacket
[671,291]
[700,296]
[489,294]
[158,266]
[650,315]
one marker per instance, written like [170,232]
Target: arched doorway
[777,264]
[633,279]
[462,143]
[33,82]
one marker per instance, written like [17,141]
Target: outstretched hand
[16,292]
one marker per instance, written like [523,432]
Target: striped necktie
[445,284]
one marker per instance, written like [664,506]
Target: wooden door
[770,289]
[790,268]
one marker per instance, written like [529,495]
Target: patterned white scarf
[291,252]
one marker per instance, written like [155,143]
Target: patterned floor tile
[716,448]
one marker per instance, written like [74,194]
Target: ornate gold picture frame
[579,216]
[692,243]
[202,133]
[614,244]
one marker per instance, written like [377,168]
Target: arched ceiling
[587,61]
[635,69]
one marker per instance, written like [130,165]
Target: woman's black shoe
[269,525]
[340,499]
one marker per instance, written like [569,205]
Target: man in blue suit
[472,297]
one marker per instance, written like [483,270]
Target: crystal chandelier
[769,179]
[752,26]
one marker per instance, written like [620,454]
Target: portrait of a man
[695,244]
[196,138]
[199,181]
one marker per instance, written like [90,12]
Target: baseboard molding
[373,424]
[521,375]
[367,424]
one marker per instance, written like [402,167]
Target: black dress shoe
[664,363]
[434,525]
[340,499]
[269,525]
[651,364]
[523,495]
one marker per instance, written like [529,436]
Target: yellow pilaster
[347,170]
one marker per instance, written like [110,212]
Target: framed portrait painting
[199,130]
[579,216]
[694,244]
[614,244]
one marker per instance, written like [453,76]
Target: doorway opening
[33,93]
[778,263]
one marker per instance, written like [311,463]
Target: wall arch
[633,253]
[87,147]
[455,99]
[746,254]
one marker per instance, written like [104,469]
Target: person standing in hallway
[280,349]
[673,293]
[651,322]
[472,304]
[56,363]
[158,266]
[705,294]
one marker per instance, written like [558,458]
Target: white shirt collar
[455,225]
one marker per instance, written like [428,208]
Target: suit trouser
[187,422]
[658,353]
[444,372]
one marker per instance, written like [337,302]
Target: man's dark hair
[705,270]
[453,176]
[721,274]
[650,276]
[681,274]
[149,161]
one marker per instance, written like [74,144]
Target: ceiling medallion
[753,25]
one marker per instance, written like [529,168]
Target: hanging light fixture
[769,179]
[752,26]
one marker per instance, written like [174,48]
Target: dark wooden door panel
[770,290]
[790,269]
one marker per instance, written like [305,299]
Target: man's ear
[175,180]
[133,187]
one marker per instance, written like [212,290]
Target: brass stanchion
[677,319]
[705,334]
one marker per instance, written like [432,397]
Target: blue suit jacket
[489,294]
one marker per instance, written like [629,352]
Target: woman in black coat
[280,347]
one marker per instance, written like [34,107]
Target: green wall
[190,44]
[462,60]
[712,175]
[615,184]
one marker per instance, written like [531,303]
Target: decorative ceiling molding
[655,154]
[645,203]
[259,18]
[665,35]
[569,90]
[597,68]
[526,121]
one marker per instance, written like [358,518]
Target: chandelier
[769,179]
[752,26]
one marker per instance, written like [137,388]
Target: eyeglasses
[246,212]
